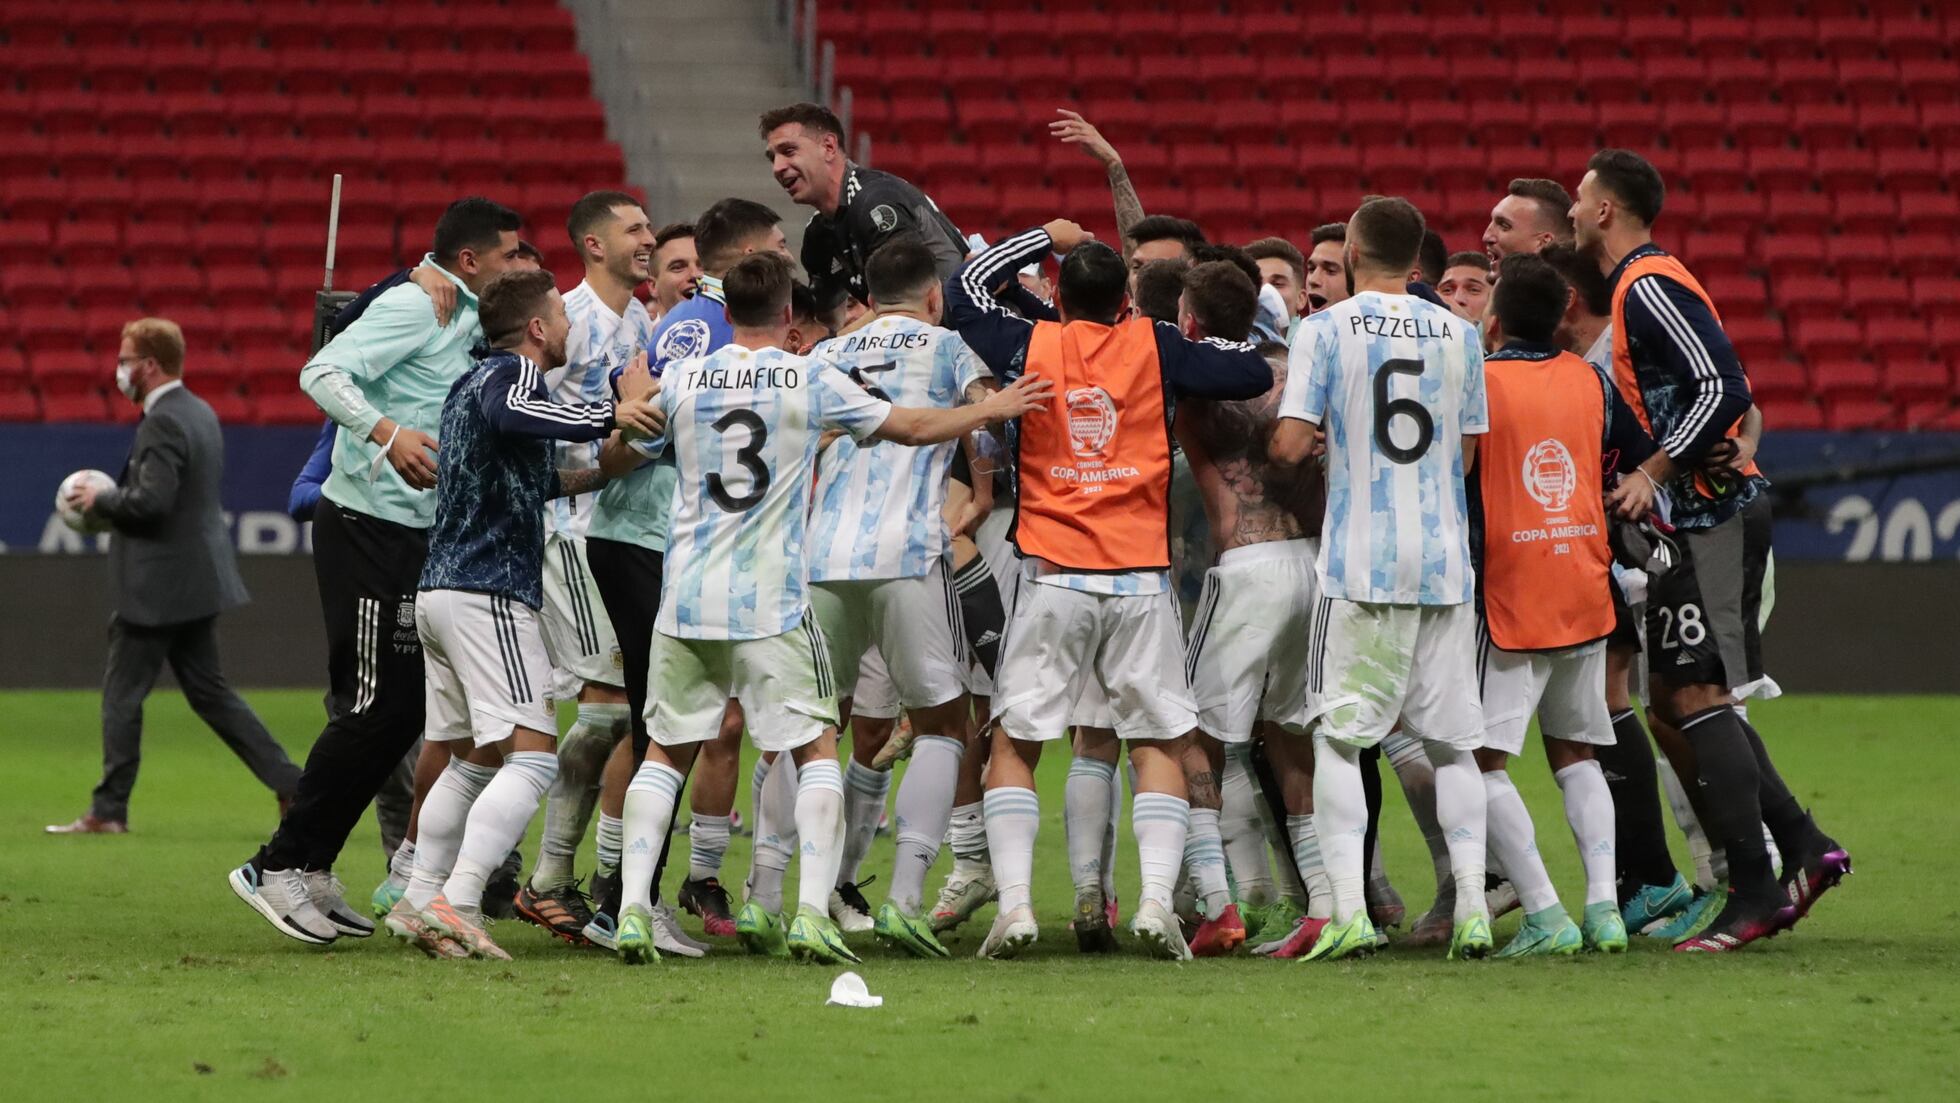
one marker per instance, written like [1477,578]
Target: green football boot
[1604,931]
[386,895]
[1355,938]
[1697,918]
[813,936]
[1654,905]
[1549,933]
[761,931]
[1471,939]
[1280,917]
[910,933]
[634,941]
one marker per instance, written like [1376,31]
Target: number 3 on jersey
[1387,409]
[748,456]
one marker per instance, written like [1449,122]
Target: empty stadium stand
[174,157]
[1810,148]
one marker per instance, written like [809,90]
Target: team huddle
[1257,517]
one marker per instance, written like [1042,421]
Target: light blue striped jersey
[1397,383]
[743,425]
[600,343]
[878,504]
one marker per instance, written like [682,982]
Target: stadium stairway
[683,85]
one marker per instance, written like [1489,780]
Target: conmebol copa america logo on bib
[1091,421]
[1549,474]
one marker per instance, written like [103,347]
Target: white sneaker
[325,890]
[852,912]
[668,937]
[1013,931]
[280,896]
[1157,929]
[967,890]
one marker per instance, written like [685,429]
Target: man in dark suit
[173,570]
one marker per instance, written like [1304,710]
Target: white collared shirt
[150,400]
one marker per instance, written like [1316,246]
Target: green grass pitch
[128,970]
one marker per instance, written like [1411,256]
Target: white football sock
[582,755]
[1160,822]
[1238,829]
[1340,812]
[1013,820]
[864,806]
[1313,870]
[1460,805]
[775,833]
[1418,779]
[651,798]
[439,830]
[1513,839]
[819,814]
[401,864]
[1589,812]
[608,841]
[925,801]
[496,823]
[707,843]
[1085,819]
[1113,826]
[966,835]
[1204,860]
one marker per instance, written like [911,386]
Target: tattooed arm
[1073,129]
[584,480]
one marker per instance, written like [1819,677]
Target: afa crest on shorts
[685,338]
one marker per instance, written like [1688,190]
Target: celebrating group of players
[1429,496]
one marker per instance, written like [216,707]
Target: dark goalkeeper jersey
[876,207]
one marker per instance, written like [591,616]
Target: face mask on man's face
[124,383]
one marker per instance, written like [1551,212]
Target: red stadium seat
[1805,80]
[1866,211]
[1808,294]
[1879,298]
[25,242]
[1858,413]
[1772,378]
[1859,255]
[1931,80]
[1845,169]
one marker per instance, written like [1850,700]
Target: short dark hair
[1582,272]
[1160,284]
[1633,180]
[1223,299]
[803,304]
[510,301]
[900,270]
[529,251]
[811,116]
[722,228]
[757,288]
[1278,248]
[1163,227]
[1554,202]
[1332,231]
[1468,258]
[1389,232]
[1093,281]
[673,231]
[472,222]
[594,209]
[1433,257]
[1209,253]
[1530,297]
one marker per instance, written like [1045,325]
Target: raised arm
[1075,130]
[1211,368]
[997,335]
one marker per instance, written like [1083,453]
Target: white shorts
[1565,688]
[486,667]
[875,698]
[913,622]
[1091,708]
[782,683]
[577,634]
[1248,650]
[1376,663]
[1060,640]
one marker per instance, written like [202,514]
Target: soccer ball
[72,517]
